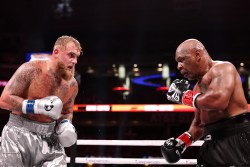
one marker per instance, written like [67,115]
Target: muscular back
[222,93]
[35,80]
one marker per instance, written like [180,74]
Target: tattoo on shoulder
[22,78]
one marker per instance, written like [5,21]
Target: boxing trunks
[226,143]
[26,143]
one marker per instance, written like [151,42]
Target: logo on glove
[169,143]
[175,96]
[49,106]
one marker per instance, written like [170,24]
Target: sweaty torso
[45,83]
[237,103]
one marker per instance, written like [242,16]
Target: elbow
[4,104]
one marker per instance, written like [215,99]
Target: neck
[208,63]
[51,68]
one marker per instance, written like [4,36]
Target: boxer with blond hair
[40,96]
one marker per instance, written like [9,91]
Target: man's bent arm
[218,93]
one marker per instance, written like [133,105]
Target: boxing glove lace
[173,148]
[179,92]
[66,133]
[50,106]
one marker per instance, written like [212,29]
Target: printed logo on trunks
[49,105]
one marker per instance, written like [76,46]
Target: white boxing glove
[66,133]
[50,106]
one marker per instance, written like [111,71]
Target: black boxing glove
[173,148]
[179,92]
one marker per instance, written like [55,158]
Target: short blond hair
[65,39]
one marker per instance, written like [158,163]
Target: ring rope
[129,142]
[131,161]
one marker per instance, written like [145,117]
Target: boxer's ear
[198,55]
[56,51]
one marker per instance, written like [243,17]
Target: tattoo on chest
[63,90]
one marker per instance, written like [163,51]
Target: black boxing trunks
[26,143]
[226,143]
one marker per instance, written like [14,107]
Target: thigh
[10,154]
[229,151]
[55,155]
[59,161]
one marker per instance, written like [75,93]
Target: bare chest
[203,85]
[43,86]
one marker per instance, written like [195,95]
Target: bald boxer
[221,116]
[40,96]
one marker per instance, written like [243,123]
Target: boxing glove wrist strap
[28,106]
[189,98]
[186,138]
[65,120]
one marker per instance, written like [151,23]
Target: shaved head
[192,56]
[190,45]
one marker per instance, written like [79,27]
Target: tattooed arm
[65,130]
[16,89]
[67,112]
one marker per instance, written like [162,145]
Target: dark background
[143,32]
[128,32]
